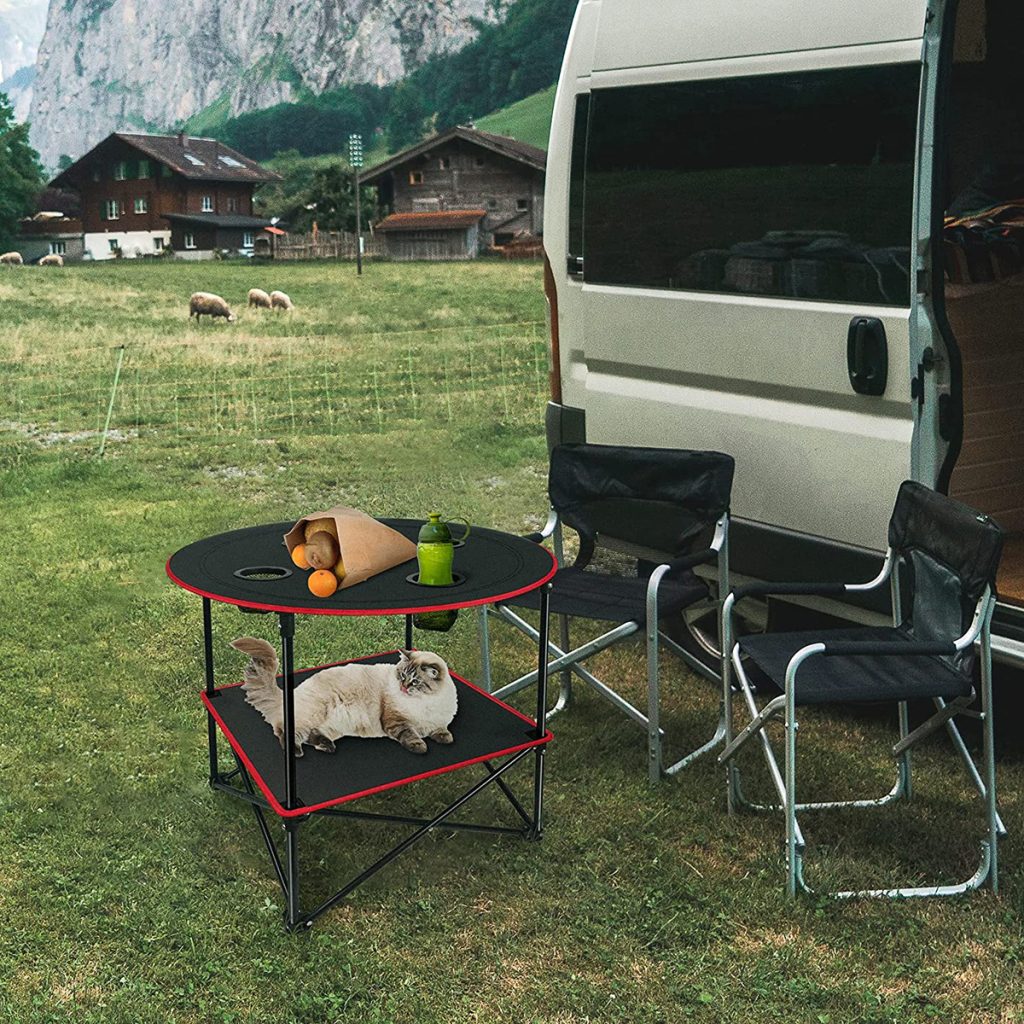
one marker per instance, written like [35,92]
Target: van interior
[983,246]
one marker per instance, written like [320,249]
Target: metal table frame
[238,783]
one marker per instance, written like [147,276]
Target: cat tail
[260,675]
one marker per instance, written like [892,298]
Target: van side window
[576,191]
[793,185]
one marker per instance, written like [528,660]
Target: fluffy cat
[410,701]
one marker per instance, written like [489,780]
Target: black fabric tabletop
[483,727]
[493,565]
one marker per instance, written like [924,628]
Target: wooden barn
[140,193]
[458,193]
[426,235]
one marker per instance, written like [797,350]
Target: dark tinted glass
[797,185]
[579,154]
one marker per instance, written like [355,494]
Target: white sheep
[278,300]
[259,298]
[208,304]
[53,260]
[11,259]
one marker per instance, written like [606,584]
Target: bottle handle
[465,522]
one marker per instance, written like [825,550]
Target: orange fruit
[323,583]
[299,556]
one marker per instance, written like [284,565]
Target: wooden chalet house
[457,193]
[140,193]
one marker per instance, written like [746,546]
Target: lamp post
[355,158]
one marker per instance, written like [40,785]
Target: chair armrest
[540,536]
[772,589]
[684,562]
[853,647]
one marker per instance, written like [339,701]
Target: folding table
[251,569]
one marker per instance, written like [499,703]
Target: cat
[408,702]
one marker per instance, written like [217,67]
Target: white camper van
[793,231]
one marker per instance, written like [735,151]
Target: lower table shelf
[484,728]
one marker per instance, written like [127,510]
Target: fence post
[113,395]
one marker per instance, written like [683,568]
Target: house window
[96,175]
[111,209]
[58,248]
[248,240]
[158,244]
[801,187]
[479,161]
[142,205]
[120,170]
[114,244]
[415,177]
[522,204]
[143,169]
[190,240]
[445,163]
[207,204]
[492,204]
[232,204]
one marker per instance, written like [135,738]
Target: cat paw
[324,744]
[442,736]
[416,746]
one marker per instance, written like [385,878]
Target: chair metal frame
[784,706]
[567,662]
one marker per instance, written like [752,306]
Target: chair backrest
[951,553]
[656,498]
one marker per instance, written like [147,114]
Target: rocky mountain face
[21,27]
[106,65]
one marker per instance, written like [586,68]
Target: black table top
[493,566]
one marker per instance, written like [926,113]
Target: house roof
[198,159]
[219,220]
[431,220]
[521,152]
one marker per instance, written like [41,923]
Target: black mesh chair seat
[591,595]
[867,677]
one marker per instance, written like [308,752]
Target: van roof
[642,33]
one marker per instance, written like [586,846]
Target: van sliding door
[750,235]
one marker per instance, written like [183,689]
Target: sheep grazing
[53,260]
[207,304]
[259,298]
[11,259]
[278,300]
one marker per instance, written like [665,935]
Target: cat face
[421,673]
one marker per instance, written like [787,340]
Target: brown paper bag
[367,547]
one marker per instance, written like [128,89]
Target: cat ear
[406,655]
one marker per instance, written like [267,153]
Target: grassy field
[131,893]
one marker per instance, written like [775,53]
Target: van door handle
[867,355]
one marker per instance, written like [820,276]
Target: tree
[21,176]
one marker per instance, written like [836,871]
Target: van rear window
[797,185]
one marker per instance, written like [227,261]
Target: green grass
[131,893]
[529,120]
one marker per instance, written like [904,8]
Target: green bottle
[435,553]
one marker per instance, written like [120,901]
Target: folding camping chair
[641,502]
[950,553]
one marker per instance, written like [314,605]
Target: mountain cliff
[110,64]
[21,28]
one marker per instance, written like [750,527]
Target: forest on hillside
[505,63]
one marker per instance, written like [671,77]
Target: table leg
[211,725]
[408,632]
[291,837]
[287,625]
[542,711]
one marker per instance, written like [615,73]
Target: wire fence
[273,387]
